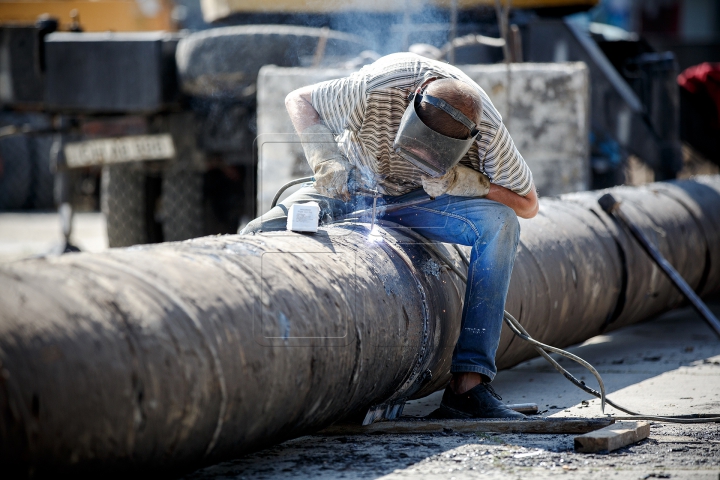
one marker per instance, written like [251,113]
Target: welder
[410,128]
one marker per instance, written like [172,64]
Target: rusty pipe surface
[176,355]
[173,355]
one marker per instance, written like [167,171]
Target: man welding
[410,128]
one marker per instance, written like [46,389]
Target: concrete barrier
[545,107]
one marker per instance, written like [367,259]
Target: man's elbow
[530,205]
[291,99]
[530,211]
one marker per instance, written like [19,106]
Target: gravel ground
[24,235]
[691,452]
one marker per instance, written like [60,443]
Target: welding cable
[517,328]
[541,348]
[286,186]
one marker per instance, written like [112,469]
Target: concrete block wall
[547,115]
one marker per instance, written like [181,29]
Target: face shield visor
[430,151]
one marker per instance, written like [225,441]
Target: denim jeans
[489,227]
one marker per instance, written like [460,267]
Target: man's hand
[331,178]
[332,170]
[460,181]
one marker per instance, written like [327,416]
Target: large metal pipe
[170,356]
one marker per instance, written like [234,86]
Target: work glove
[331,168]
[460,181]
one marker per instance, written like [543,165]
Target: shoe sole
[449,413]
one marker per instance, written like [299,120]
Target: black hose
[286,186]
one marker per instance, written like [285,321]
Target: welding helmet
[430,151]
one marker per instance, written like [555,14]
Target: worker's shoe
[478,402]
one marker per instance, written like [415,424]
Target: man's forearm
[299,107]
[331,170]
[524,207]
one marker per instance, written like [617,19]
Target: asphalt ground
[25,235]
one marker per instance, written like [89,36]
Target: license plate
[119,150]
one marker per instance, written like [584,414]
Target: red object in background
[700,109]
[703,80]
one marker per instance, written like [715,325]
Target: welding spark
[375,234]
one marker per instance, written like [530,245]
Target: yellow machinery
[144,15]
[214,10]
[93,16]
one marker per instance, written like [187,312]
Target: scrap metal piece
[526,408]
[378,413]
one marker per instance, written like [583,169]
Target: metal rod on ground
[531,425]
[526,408]
[612,207]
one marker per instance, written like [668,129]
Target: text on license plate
[118,150]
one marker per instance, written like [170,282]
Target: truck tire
[15,172]
[122,197]
[182,205]
[224,62]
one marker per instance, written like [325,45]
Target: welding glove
[460,181]
[332,170]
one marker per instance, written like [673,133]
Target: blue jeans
[489,227]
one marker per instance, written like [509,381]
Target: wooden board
[531,425]
[612,437]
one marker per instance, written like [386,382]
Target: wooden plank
[612,437]
[531,425]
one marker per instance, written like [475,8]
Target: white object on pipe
[304,217]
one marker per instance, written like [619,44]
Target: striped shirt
[365,108]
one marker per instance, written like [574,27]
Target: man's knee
[253,227]
[506,223]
